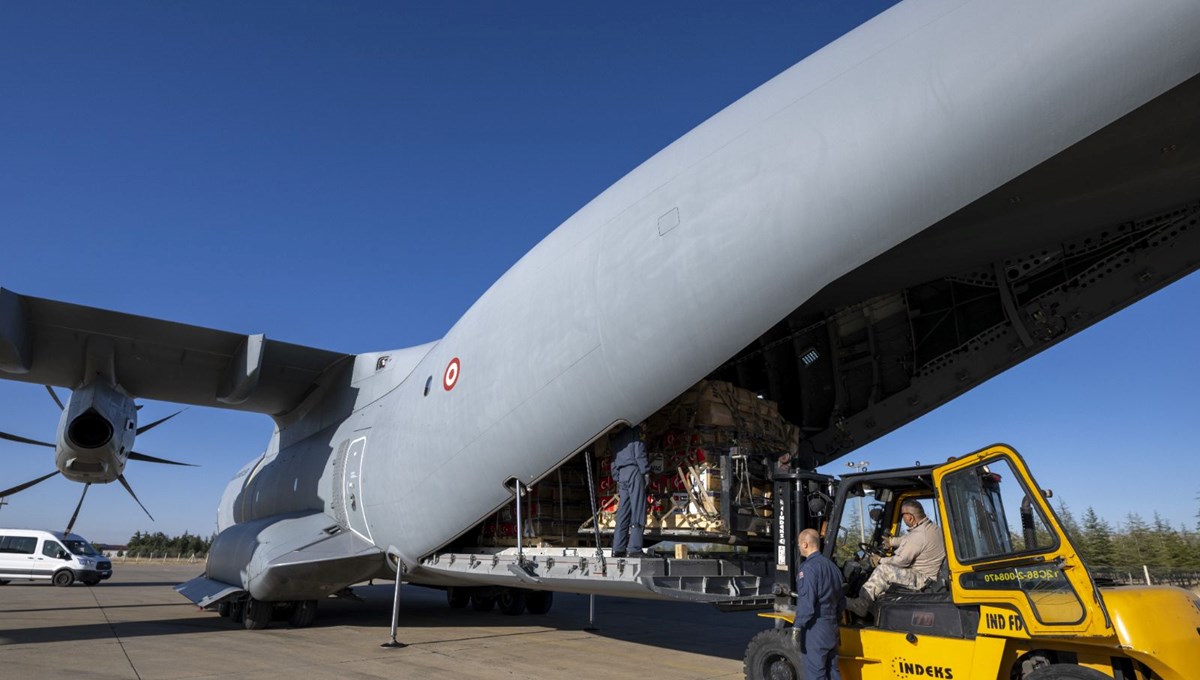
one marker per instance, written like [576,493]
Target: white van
[53,556]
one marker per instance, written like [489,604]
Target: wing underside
[61,344]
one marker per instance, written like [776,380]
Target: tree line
[1133,542]
[1128,545]
[158,542]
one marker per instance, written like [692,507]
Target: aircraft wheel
[3,582]
[457,598]
[482,603]
[539,602]
[303,614]
[237,612]
[257,614]
[773,655]
[511,601]
[64,578]
[1065,671]
[224,609]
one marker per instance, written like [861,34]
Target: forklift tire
[774,655]
[1066,671]
[482,603]
[457,598]
[539,602]
[511,601]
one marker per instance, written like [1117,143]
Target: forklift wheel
[773,655]
[1065,671]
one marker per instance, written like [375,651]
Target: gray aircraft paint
[795,184]
[889,130]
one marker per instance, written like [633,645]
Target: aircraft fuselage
[693,255]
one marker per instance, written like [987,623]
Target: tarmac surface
[136,626]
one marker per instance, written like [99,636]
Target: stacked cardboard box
[711,432]
[709,453]
[551,512]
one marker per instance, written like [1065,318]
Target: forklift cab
[867,513]
[1018,601]
[1003,547]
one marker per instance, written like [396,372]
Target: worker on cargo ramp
[819,605]
[631,469]
[917,561]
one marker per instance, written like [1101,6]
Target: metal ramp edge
[206,592]
[726,580]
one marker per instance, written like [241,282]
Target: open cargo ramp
[727,581]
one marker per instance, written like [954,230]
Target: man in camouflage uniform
[917,561]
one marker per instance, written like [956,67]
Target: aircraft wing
[56,343]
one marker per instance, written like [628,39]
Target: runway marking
[92,592]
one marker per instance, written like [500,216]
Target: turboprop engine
[94,440]
[95,434]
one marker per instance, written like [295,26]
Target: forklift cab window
[855,524]
[993,519]
[994,514]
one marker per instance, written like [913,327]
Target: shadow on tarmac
[681,627]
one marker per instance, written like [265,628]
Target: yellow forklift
[1015,601]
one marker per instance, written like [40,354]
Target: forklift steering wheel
[871,549]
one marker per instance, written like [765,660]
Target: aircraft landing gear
[457,598]
[538,602]
[256,614]
[304,612]
[482,603]
[510,601]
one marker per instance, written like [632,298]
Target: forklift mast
[803,500]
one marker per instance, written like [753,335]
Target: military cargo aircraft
[935,197]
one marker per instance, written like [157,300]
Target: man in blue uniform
[631,469]
[820,601]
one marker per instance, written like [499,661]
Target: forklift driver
[918,559]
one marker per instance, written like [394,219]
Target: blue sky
[354,175]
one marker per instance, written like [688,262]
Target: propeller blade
[54,396]
[158,422]
[134,455]
[74,515]
[21,487]
[121,479]
[23,440]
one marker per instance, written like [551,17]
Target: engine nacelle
[96,433]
